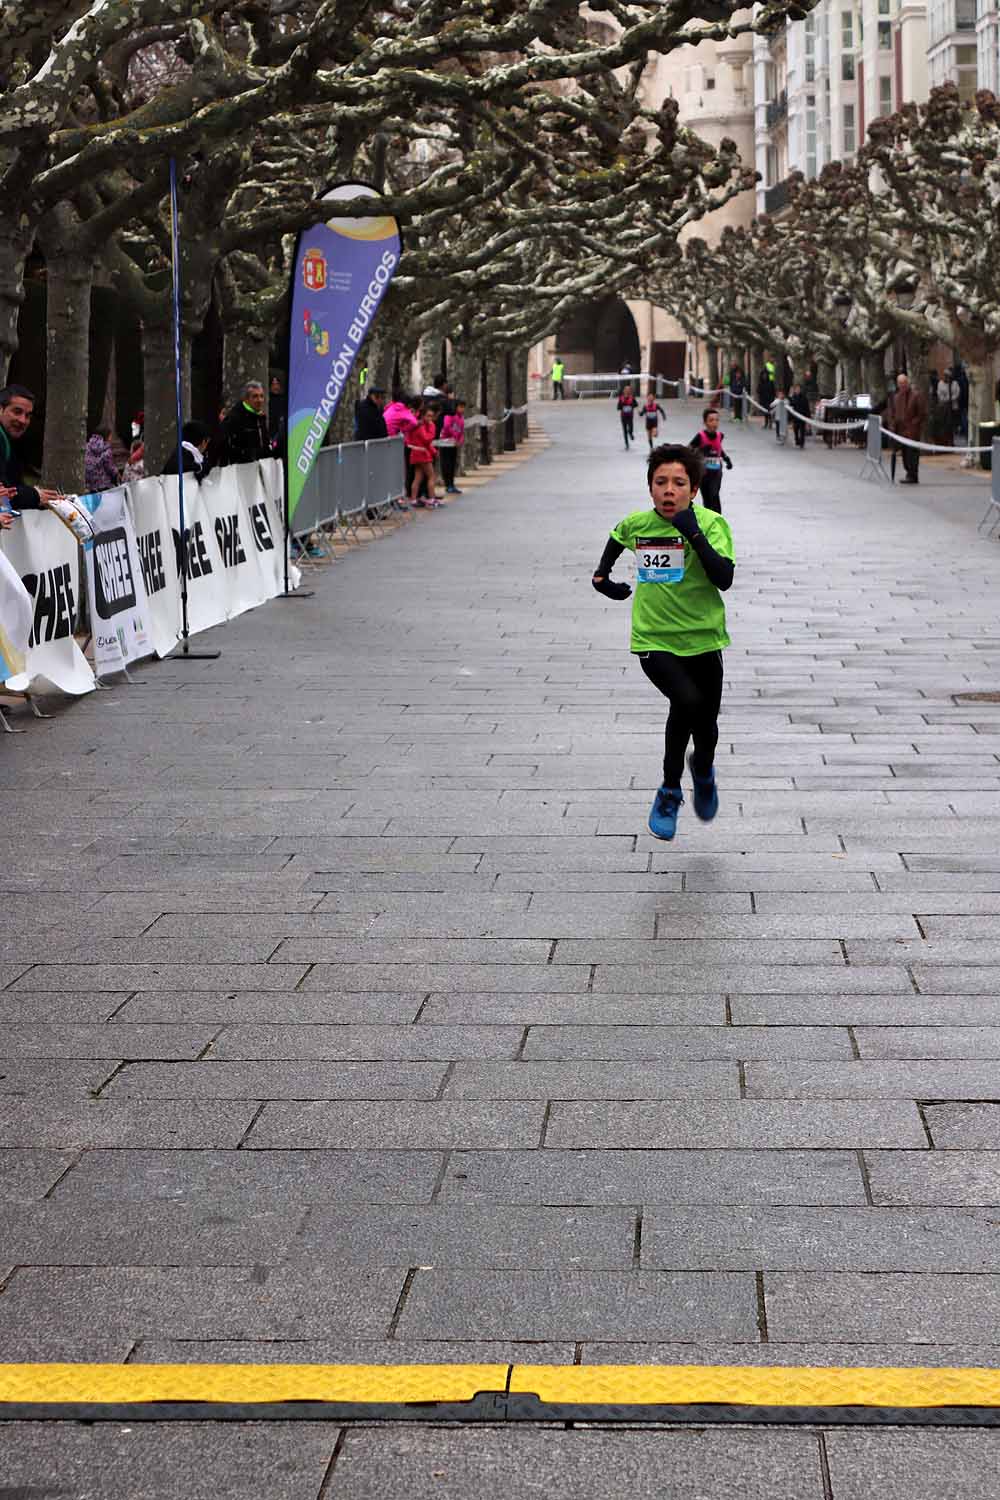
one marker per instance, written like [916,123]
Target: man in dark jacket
[243,437]
[369,422]
[17,406]
[907,413]
[798,403]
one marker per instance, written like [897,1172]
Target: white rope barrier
[829,426]
[930,447]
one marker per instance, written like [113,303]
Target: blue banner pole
[175,266]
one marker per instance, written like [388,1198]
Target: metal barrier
[993,504]
[350,481]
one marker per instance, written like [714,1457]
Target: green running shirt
[686,616]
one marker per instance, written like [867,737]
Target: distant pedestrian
[369,418]
[907,412]
[450,443]
[765,391]
[99,468]
[420,452]
[737,388]
[798,404]
[558,376]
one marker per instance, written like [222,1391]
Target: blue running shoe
[663,813]
[706,795]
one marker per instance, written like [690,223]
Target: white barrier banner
[15,620]
[118,607]
[234,540]
[158,561]
[46,557]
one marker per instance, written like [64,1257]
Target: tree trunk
[466,363]
[495,382]
[15,244]
[67,365]
[981,398]
[873,366]
[852,374]
[159,390]
[246,353]
[520,363]
[826,376]
[713,366]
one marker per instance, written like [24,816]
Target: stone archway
[600,338]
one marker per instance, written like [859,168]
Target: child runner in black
[708,442]
[684,560]
[649,412]
[626,410]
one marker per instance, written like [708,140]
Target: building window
[885,36]
[847,67]
[965,15]
[811,135]
[850,139]
[772,166]
[847,30]
[885,96]
[709,80]
[884,7]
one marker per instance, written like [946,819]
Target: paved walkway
[352,1014]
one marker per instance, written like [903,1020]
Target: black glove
[686,522]
[727,461]
[610,589]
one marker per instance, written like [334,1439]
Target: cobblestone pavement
[351,1014]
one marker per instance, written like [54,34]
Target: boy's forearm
[612,552]
[718,569]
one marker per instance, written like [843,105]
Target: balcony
[776,198]
[777,109]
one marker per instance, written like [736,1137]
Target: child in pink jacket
[451,439]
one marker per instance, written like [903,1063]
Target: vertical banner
[119,611]
[342,270]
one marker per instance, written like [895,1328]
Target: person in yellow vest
[558,373]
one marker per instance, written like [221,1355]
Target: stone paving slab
[383,962]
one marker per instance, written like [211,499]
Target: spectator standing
[737,387]
[136,466]
[369,423]
[244,437]
[100,472]
[195,439]
[765,391]
[798,403]
[450,441]
[948,402]
[558,376]
[17,406]
[420,451]
[399,415]
[907,412]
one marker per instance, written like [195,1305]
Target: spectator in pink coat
[451,439]
[399,416]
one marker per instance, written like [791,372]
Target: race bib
[659,559]
[713,463]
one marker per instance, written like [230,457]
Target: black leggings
[694,686]
[711,484]
[628,419]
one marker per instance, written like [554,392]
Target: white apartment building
[822,80]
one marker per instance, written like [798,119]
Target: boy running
[649,411]
[684,562]
[626,410]
[708,442]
